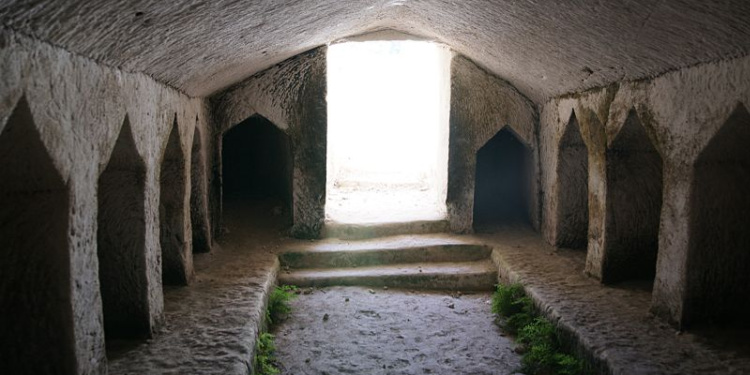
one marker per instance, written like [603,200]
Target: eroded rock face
[75,107]
[647,143]
[291,95]
[481,106]
[79,108]
[545,49]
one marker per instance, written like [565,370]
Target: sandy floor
[350,330]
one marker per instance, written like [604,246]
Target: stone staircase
[434,261]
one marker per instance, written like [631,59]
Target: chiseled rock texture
[291,95]
[543,48]
[481,105]
[609,325]
[93,87]
[681,112]
[78,108]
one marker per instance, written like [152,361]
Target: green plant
[544,353]
[541,340]
[538,332]
[265,359]
[278,303]
[508,300]
[569,365]
[511,302]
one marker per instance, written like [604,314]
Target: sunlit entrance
[388,108]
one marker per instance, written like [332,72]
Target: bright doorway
[388,109]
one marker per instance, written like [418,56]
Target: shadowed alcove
[572,188]
[718,255]
[36,329]
[121,241]
[634,199]
[198,194]
[257,167]
[175,256]
[503,185]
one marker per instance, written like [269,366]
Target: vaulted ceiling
[544,47]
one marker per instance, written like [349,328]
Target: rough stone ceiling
[544,47]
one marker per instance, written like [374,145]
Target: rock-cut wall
[69,113]
[667,159]
[292,95]
[482,105]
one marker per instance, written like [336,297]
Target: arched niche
[177,258]
[502,191]
[199,197]
[719,237]
[633,208]
[36,329]
[121,241]
[572,188]
[257,168]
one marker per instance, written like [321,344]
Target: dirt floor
[355,330]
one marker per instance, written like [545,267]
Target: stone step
[383,251]
[465,276]
[358,231]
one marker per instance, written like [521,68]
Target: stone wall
[77,109]
[292,95]
[481,105]
[679,113]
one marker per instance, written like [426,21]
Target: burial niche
[198,197]
[719,245]
[121,241]
[176,256]
[634,198]
[573,188]
[257,167]
[503,184]
[36,329]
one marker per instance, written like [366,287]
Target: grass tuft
[278,308]
[278,303]
[543,351]
[510,301]
[265,358]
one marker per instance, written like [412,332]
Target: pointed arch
[121,240]
[633,208]
[719,239]
[503,181]
[257,164]
[35,280]
[177,257]
[199,195]
[572,188]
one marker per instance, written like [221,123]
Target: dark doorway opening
[634,198]
[121,241]
[257,169]
[36,329]
[503,183]
[719,245]
[573,188]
